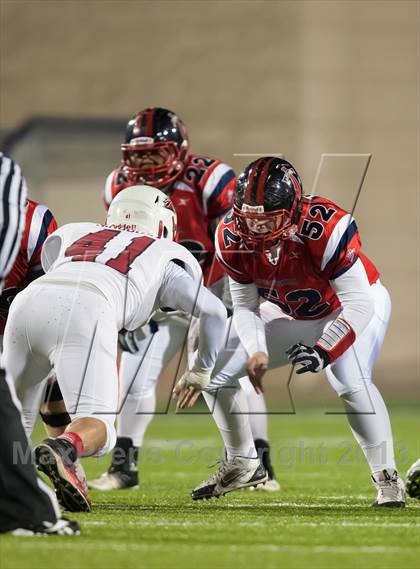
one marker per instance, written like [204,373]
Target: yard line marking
[95,546]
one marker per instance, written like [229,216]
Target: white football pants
[139,374]
[350,375]
[72,329]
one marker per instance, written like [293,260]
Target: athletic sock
[124,456]
[73,441]
[263,449]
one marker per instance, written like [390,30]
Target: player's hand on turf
[189,387]
[256,367]
[310,359]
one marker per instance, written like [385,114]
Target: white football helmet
[143,209]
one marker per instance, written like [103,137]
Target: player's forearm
[212,316]
[246,317]
[353,290]
[181,292]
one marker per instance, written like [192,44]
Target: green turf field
[321,517]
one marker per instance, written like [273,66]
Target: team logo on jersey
[350,255]
[273,255]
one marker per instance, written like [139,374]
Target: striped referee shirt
[13,193]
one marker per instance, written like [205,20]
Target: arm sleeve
[353,290]
[180,292]
[246,317]
[47,227]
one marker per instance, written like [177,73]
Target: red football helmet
[155,148]
[267,202]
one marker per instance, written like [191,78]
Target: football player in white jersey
[99,280]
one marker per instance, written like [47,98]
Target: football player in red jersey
[325,308]
[39,224]
[156,152]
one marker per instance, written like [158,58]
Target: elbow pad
[336,339]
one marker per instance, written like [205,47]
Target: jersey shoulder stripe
[41,224]
[216,182]
[339,237]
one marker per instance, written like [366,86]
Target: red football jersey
[39,223]
[203,192]
[297,277]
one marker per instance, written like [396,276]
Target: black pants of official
[22,502]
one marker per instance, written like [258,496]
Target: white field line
[198,547]
[281,522]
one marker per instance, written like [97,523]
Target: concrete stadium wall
[300,78]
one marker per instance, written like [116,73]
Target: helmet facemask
[263,230]
[157,164]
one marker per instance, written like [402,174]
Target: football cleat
[61,527]
[231,475]
[412,484]
[55,458]
[115,480]
[390,487]
[263,449]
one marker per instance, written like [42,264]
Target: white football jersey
[126,267]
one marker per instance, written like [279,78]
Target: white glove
[189,387]
[195,378]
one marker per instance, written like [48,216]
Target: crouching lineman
[325,309]
[156,152]
[100,279]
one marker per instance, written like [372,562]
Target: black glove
[129,340]
[6,299]
[312,359]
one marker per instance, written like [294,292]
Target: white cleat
[62,526]
[390,487]
[117,480]
[231,475]
[272,485]
[412,484]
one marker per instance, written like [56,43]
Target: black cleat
[412,484]
[57,459]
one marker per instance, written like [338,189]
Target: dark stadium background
[299,78]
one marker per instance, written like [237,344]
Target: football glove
[189,387]
[196,379]
[310,359]
[6,299]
